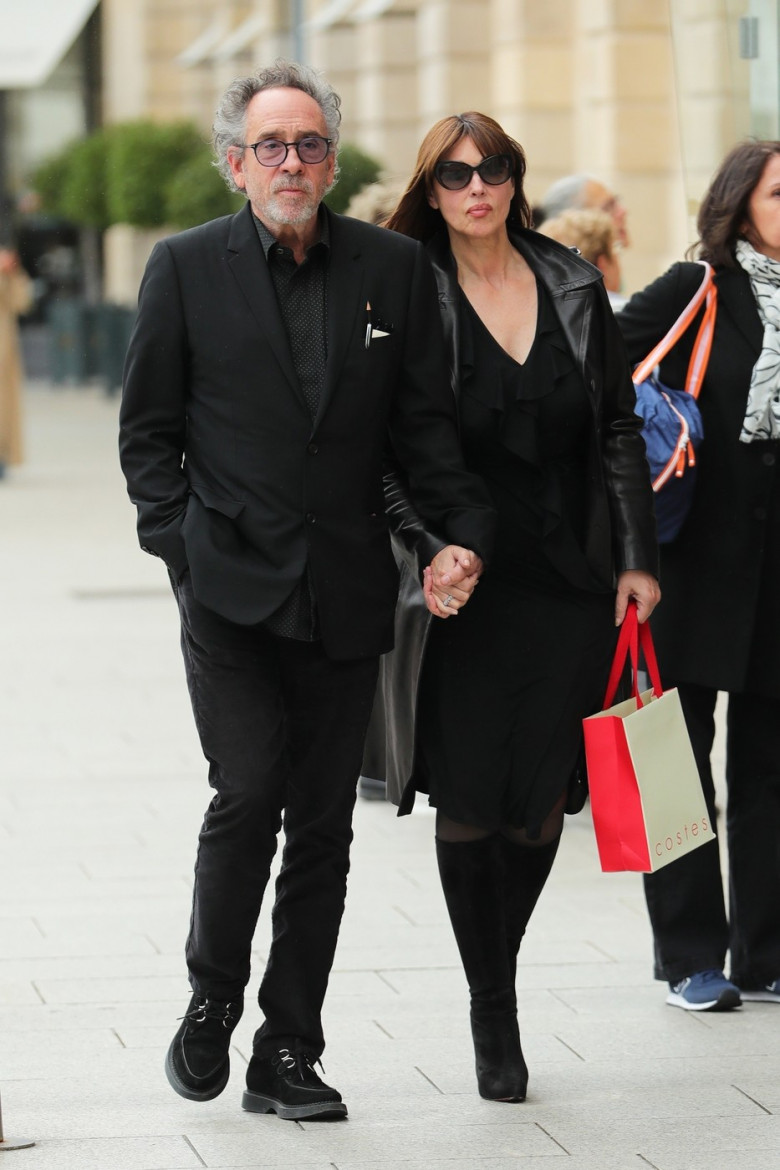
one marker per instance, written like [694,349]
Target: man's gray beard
[277,210]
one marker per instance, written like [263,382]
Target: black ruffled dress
[505,684]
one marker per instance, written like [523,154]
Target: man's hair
[229,128]
[565,193]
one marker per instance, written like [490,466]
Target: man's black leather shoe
[286,1084]
[197,1065]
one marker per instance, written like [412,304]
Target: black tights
[449,830]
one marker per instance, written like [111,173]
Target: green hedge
[83,194]
[197,192]
[149,174]
[141,159]
[356,170]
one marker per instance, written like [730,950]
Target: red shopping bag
[646,797]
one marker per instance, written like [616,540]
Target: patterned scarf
[762,415]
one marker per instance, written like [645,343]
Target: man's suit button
[311,518]
[312,448]
[769,459]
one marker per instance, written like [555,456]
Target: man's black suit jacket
[231,478]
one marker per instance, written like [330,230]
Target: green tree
[47,180]
[83,182]
[141,158]
[196,192]
[356,170]
[149,174]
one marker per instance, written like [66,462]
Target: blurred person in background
[593,233]
[16,297]
[376,202]
[581,192]
[719,626]
[484,714]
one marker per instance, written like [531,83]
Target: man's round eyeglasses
[271,152]
[454,176]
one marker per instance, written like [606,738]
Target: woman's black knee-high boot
[526,869]
[471,879]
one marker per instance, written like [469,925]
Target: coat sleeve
[626,470]
[650,313]
[424,433]
[415,542]
[152,416]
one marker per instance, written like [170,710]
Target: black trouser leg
[235,687]
[471,879]
[685,900]
[753,826]
[282,727]
[329,708]
[526,869]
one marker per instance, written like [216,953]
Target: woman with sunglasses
[545,403]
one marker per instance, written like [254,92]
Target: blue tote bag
[672,426]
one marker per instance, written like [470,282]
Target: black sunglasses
[454,176]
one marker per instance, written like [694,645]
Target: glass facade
[760,45]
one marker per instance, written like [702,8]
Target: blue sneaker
[706,991]
[768,994]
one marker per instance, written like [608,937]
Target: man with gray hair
[278,355]
[579,192]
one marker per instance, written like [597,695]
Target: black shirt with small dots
[301,290]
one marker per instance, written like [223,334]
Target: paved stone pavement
[101,793]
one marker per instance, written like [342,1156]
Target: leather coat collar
[567,277]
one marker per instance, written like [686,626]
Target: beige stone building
[645,94]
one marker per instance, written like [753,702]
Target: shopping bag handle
[633,635]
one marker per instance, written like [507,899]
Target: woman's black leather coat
[620,529]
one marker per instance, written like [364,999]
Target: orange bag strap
[697,367]
[700,354]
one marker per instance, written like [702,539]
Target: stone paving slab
[148,1153]
[102,790]
[381,1142]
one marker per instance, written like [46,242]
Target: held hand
[644,590]
[453,564]
[446,602]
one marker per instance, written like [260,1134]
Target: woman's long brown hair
[724,208]
[414,215]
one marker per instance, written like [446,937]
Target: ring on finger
[447,599]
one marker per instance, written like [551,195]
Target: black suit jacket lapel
[248,265]
[346,301]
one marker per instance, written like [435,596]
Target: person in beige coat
[15,298]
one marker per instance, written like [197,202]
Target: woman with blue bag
[719,626]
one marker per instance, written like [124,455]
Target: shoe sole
[257,1103]
[724,1003]
[761,996]
[184,1090]
[516,1099]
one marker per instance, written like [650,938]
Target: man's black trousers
[282,727]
